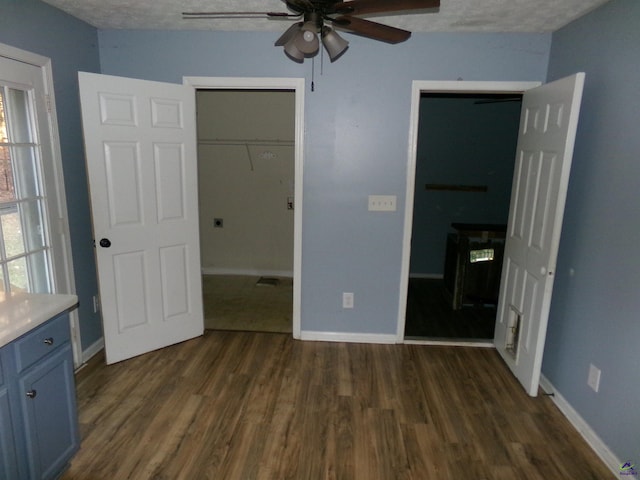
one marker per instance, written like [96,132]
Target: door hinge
[47,102]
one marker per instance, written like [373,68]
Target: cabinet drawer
[38,343]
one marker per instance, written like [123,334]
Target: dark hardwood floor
[429,314]
[243,405]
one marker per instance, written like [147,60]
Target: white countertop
[22,312]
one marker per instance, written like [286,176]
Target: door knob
[32,393]
[105,242]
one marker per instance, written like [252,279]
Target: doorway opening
[249,184]
[462,150]
[246,189]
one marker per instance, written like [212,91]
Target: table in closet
[473,264]
[38,414]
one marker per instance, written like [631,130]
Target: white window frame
[52,178]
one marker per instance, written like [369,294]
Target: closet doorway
[249,201]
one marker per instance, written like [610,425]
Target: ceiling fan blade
[299,6]
[374,30]
[191,15]
[364,7]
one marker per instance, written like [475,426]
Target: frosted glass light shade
[306,39]
[333,43]
[289,34]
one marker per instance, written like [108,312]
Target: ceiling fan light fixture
[302,40]
[306,40]
[333,43]
[293,52]
[289,34]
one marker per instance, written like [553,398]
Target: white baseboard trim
[347,337]
[249,272]
[583,428]
[92,350]
[433,276]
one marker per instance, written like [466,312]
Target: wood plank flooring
[236,302]
[430,315]
[242,405]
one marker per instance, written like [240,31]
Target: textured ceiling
[453,15]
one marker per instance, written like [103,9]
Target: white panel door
[543,160]
[140,141]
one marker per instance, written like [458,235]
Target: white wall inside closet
[246,179]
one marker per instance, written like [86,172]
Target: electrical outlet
[594,378]
[382,203]
[347,300]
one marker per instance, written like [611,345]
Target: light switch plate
[382,203]
[347,300]
[594,378]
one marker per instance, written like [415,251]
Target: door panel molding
[142,169]
[548,126]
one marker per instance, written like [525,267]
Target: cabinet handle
[48,341]
[32,393]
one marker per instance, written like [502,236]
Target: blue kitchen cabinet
[8,459]
[41,402]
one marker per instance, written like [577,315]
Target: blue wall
[595,313]
[357,124]
[460,142]
[71,45]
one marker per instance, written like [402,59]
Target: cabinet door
[8,460]
[49,411]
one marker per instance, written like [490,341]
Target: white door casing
[140,141]
[544,153]
[271,83]
[450,87]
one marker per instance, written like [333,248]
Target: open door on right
[546,138]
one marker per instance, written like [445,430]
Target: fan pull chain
[313,74]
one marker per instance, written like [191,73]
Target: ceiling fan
[301,41]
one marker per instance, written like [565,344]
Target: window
[35,246]
[24,246]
